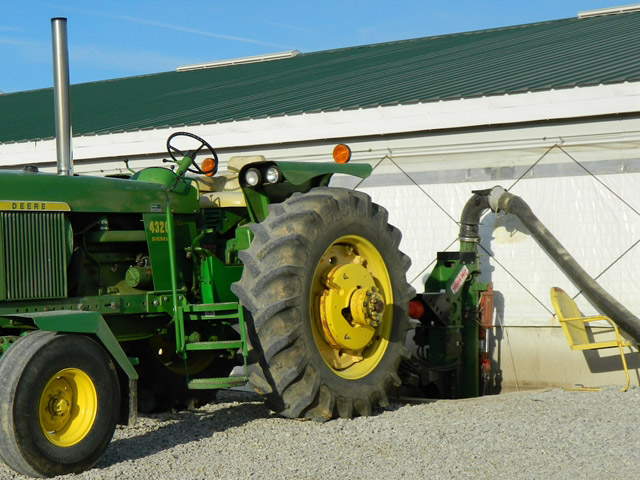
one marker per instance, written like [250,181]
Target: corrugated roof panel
[556,54]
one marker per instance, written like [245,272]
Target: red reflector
[485,363]
[416,309]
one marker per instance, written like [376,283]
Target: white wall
[585,187]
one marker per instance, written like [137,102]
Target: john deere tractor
[150,291]
[146,290]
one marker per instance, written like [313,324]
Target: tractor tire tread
[271,290]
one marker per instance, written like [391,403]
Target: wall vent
[239,61]
[609,11]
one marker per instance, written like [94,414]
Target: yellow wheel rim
[351,307]
[68,407]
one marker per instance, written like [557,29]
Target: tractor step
[211,316]
[211,311]
[211,307]
[219,345]
[211,383]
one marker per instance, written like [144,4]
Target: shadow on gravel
[189,427]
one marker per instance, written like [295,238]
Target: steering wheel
[173,151]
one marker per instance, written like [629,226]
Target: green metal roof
[540,56]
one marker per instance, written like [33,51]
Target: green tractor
[146,291]
[152,290]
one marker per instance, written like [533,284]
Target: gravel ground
[543,434]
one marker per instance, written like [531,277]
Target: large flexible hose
[471,213]
[501,200]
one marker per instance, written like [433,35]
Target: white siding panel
[594,216]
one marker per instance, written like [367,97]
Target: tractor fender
[298,173]
[71,321]
[297,177]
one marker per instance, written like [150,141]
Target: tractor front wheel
[326,298]
[59,404]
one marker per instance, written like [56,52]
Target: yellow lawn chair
[574,330]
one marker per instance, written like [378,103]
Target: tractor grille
[212,218]
[32,255]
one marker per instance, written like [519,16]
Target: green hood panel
[24,191]
[298,173]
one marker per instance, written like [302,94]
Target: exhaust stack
[61,95]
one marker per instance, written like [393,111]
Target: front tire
[59,404]
[326,298]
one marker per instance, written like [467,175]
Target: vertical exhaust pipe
[61,95]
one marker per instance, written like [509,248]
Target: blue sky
[112,39]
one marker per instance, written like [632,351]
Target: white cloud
[290,27]
[22,43]
[200,32]
[4,28]
[153,23]
[101,57]
[125,61]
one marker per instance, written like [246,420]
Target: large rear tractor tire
[326,298]
[59,403]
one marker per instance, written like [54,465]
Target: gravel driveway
[543,434]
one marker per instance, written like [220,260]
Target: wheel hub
[351,307]
[68,406]
[56,408]
[367,307]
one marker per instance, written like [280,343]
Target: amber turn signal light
[209,166]
[341,153]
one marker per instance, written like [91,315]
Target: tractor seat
[223,190]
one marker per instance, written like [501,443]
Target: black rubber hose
[471,213]
[609,306]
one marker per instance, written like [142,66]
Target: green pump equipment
[454,314]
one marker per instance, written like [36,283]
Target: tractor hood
[36,191]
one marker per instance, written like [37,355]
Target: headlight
[273,175]
[252,177]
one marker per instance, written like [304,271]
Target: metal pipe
[499,199]
[61,95]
